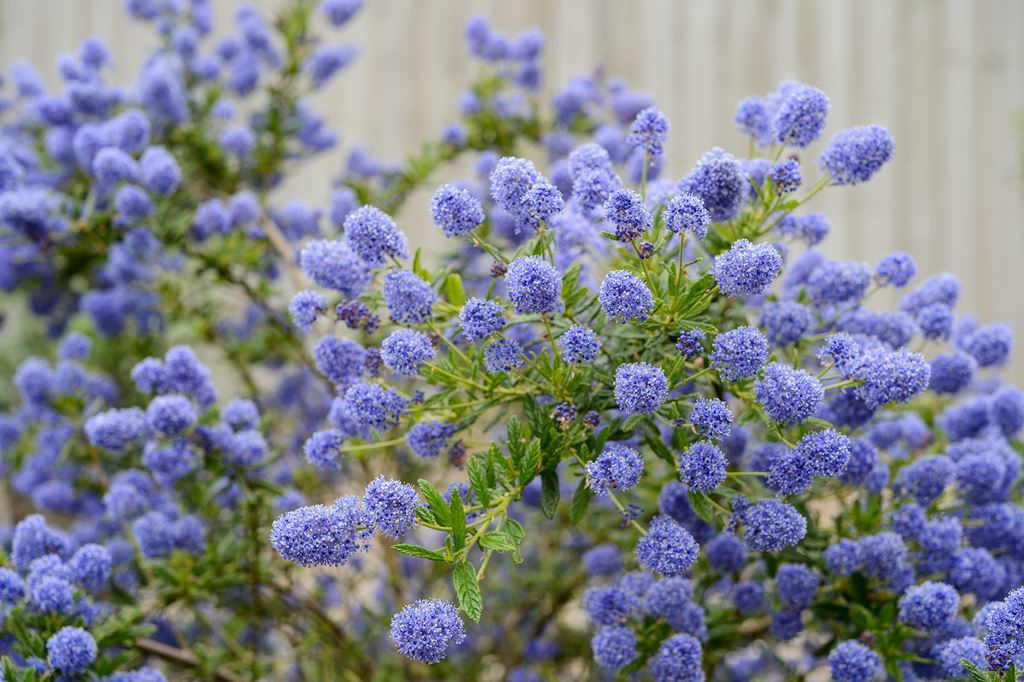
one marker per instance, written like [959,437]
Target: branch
[182,657]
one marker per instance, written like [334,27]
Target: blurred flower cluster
[622,426]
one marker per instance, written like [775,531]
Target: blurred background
[946,77]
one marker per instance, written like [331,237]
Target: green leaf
[435,501]
[418,552]
[815,422]
[514,432]
[977,674]
[453,290]
[701,505]
[417,265]
[660,449]
[458,520]
[862,617]
[424,513]
[580,501]
[517,534]
[477,470]
[498,541]
[550,493]
[515,530]
[530,462]
[467,589]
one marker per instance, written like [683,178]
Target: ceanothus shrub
[617,422]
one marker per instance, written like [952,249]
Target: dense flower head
[373,236]
[116,429]
[374,406]
[690,342]
[786,175]
[405,350]
[839,282]
[340,360]
[305,307]
[533,285]
[788,395]
[478,318]
[327,60]
[112,166]
[943,289]
[170,415]
[747,269]
[851,661]
[625,209]
[795,585]
[725,553]
[739,353]
[523,193]
[772,525]
[935,321]
[51,595]
[390,506]
[602,559]
[929,606]
[91,566]
[321,535]
[338,12]
[826,452]
[789,473]
[503,355]
[455,210]
[12,587]
[785,322]
[895,269]
[1008,410]
[711,418]
[748,597]
[720,182]
[409,299]
[753,118]
[640,388]
[678,660]
[893,328]
[159,170]
[667,549]
[702,467]
[334,265]
[322,449]
[426,630]
[579,345]
[649,131]
[71,650]
[428,438]
[800,116]
[618,467]
[989,345]
[948,654]
[609,605]
[843,557]
[614,646]
[926,478]
[855,154]
[892,377]
[625,297]
[686,213]
[786,625]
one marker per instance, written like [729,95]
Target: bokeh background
[945,76]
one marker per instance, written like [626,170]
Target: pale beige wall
[947,77]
